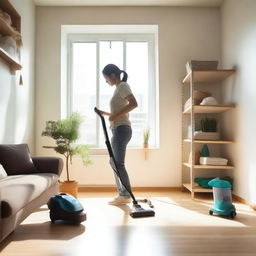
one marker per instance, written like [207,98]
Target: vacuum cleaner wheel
[75,219]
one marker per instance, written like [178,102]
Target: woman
[121,103]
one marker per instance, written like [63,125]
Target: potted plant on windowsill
[65,132]
[146,134]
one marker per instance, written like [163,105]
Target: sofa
[26,183]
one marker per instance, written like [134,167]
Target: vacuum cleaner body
[67,208]
[222,198]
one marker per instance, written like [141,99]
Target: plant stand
[69,187]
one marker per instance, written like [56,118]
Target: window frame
[150,38]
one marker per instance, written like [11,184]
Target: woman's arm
[105,113]
[132,103]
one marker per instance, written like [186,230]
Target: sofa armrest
[48,164]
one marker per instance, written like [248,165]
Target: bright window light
[86,87]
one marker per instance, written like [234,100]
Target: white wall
[238,49]
[17,102]
[184,33]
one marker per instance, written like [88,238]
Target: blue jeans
[121,136]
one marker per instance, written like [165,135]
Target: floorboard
[181,227]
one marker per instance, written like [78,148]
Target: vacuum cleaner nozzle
[137,211]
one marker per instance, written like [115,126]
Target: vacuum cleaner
[222,198]
[67,208]
[136,211]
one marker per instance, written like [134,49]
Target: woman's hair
[113,69]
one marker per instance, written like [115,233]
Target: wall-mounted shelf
[13,31]
[13,64]
[7,30]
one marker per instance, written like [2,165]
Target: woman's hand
[112,118]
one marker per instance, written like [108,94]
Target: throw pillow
[3,173]
[15,159]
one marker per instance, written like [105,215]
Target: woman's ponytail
[125,76]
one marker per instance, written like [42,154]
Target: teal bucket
[222,198]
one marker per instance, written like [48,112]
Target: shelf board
[197,188]
[208,76]
[13,64]
[210,109]
[201,166]
[209,141]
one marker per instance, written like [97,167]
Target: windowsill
[103,151]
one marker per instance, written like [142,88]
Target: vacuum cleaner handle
[97,111]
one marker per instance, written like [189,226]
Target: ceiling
[201,3]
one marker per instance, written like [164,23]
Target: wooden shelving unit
[202,77]
[13,31]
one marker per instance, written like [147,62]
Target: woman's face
[110,79]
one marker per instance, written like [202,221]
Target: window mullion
[98,90]
[124,54]
[70,79]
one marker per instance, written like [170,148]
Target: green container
[205,151]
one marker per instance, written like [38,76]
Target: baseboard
[84,188]
[243,201]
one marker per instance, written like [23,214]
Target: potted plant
[208,129]
[65,132]
[146,134]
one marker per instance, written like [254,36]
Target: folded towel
[213,161]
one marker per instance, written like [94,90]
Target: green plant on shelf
[209,125]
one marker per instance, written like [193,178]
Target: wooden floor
[181,227]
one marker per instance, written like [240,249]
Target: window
[88,53]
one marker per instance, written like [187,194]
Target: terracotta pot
[69,187]
[145,145]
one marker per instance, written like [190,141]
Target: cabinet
[198,80]
[13,31]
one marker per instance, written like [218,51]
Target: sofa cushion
[19,190]
[16,159]
[3,173]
